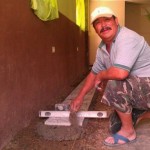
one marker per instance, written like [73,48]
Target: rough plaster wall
[31,76]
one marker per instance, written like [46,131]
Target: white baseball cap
[101,12]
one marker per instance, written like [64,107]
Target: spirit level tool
[82,114]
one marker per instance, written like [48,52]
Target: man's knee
[115,95]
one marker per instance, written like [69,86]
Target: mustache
[104,29]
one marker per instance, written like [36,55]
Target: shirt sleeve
[128,51]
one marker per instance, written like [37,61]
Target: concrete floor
[96,131]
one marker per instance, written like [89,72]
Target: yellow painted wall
[68,9]
[136,13]
[118,6]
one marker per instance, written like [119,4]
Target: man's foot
[121,137]
[115,122]
[117,139]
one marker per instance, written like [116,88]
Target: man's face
[106,28]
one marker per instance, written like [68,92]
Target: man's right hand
[76,104]
[88,85]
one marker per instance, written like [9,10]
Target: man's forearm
[113,73]
[88,85]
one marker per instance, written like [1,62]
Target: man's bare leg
[127,129]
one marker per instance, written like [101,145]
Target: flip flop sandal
[118,137]
[115,122]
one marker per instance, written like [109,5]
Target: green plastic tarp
[45,9]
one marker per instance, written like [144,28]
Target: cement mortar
[60,133]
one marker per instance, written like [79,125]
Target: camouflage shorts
[123,95]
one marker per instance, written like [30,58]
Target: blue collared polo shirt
[129,51]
